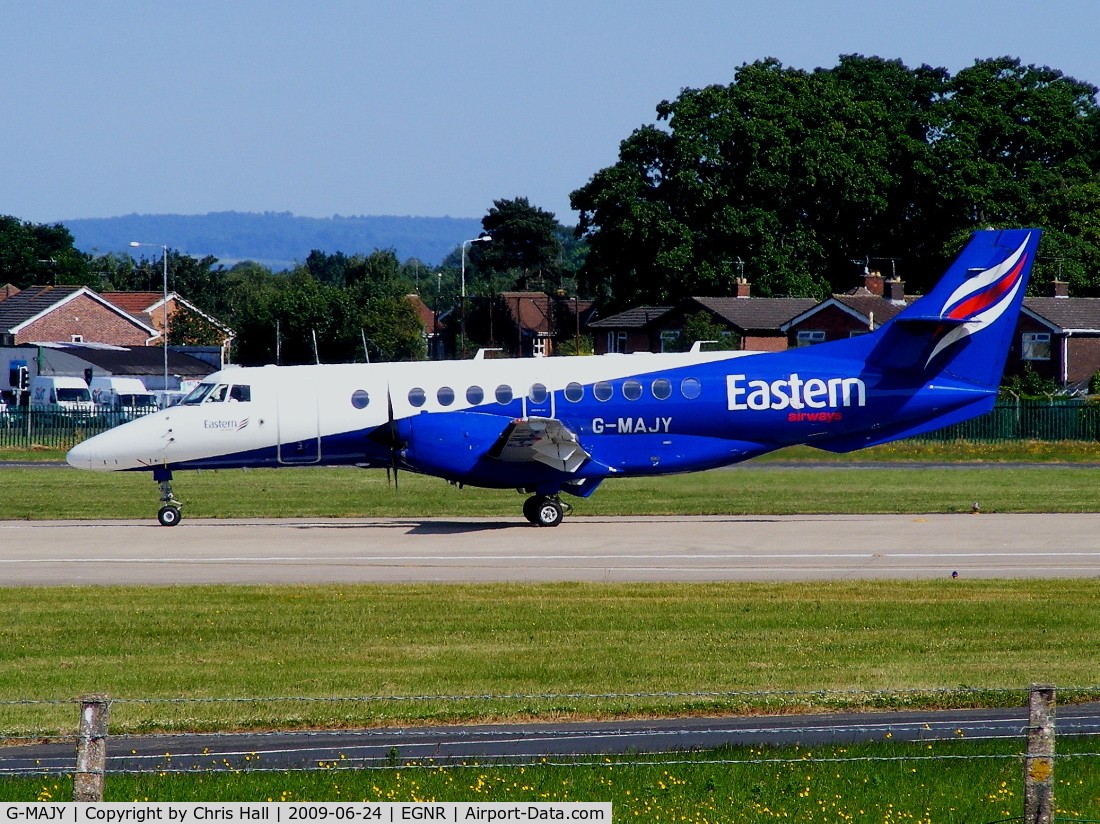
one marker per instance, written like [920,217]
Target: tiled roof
[756,314]
[883,309]
[134,302]
[636,318]
[33,300]
[1065,313]
[535,311]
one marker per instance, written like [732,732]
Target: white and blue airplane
[548,426]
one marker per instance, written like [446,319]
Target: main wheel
[549,512]
[531,508]
[169,515]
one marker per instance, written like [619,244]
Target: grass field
[560,639]
[763,785]
[766,489]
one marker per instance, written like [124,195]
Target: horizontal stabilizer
[545,440]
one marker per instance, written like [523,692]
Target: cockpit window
[197,394]
[240,393]
[218,394]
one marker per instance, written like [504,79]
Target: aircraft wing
[546,440]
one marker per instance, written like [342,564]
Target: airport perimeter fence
[23,753]
[21,428]
[1020,420]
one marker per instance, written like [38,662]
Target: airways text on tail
[553,425]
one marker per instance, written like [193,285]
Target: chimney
[743,287]
[1059,289]
[872,282]
[895,291]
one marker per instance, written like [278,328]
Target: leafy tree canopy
[40,254]
[794,174]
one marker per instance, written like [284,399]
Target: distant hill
[275,239]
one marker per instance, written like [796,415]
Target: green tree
[524,242]
[41,254]
[793,174]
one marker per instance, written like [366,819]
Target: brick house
[150,308]
[72,314]
[757,322]
[1059,338]
[635,330]
[856,312]
[532,324]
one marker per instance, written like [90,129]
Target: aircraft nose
[82,455]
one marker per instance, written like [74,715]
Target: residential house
[856,312]
[534,324]
[151,307]
[756,322]
[74,314]
[1058,337]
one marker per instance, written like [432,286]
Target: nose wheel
[544,510]
[169,514]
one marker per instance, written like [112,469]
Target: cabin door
[538,397]
[299,423]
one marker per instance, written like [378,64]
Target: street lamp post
[465,243]
[164,304]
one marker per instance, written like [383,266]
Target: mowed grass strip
[502,640]
[743,490]
[695,787]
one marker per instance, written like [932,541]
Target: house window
[540,346]
[670,338]
[808,337]
[1035,346]
[616,342]
[76,338]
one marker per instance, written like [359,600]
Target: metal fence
[1044,420]
[38,428]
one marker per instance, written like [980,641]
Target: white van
[126,395]
[56,393]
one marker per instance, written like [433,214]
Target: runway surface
[712,548]
[530,742]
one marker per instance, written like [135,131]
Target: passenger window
[603,391]
[445,396]
[475,395]
[537,393]
[691,388]
[504,394]
[241,393]
[661,389]
[360,398]
[632,390]
[574,392]
[417,396]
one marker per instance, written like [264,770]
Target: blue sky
[419,108]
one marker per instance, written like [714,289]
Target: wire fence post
[91,748]
[1039,763]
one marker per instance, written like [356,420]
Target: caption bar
[192,812]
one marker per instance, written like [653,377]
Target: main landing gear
[544,510]
[169,514]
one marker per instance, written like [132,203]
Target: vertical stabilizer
[963,328]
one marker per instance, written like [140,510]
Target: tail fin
[963,328]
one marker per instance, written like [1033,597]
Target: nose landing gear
[169,514]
